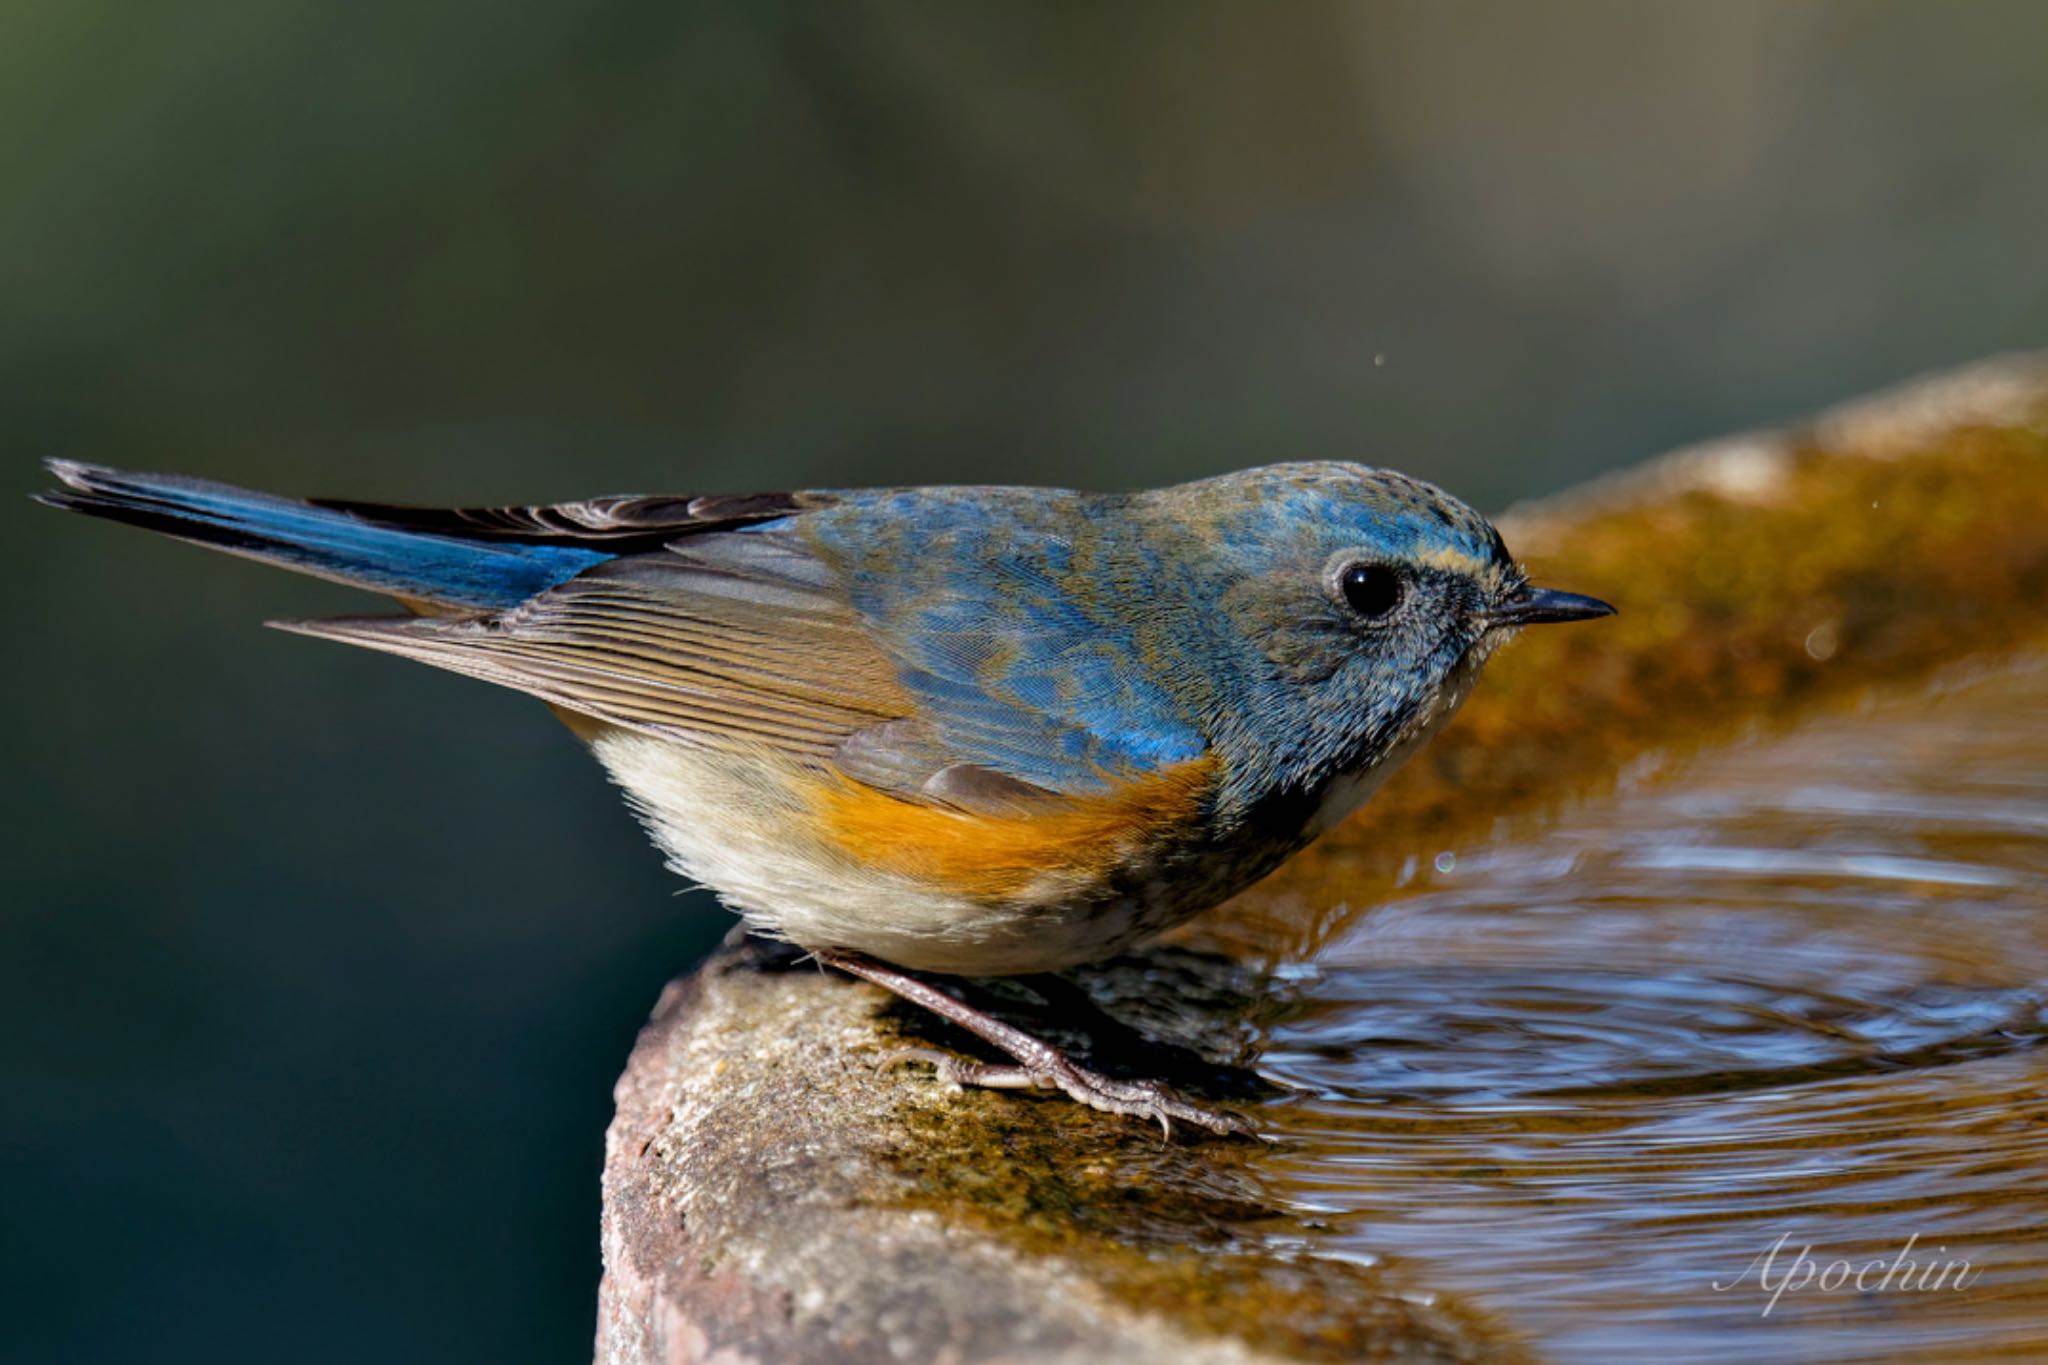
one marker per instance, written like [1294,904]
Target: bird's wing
[745,646]
[748,638]
[622,524]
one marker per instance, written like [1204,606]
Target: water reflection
[1794,991]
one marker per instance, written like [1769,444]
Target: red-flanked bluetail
[942,730]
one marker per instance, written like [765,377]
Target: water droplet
[1821,642]
[1446,861]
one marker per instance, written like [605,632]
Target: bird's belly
[747,825]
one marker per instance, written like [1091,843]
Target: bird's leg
[1039,1064]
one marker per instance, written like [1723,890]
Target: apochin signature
[1800,1271]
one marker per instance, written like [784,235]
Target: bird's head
[1357,606]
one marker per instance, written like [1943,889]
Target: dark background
[318,968]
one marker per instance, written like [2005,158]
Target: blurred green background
[318,967]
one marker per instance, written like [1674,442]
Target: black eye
[1372,590]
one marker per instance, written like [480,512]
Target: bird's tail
[326,542]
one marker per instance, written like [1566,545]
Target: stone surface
[771,1193]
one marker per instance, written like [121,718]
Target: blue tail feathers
[321,541]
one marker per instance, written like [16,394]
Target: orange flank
[994,857]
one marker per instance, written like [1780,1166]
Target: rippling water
[1791,991]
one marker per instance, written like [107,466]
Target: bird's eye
[1372,590]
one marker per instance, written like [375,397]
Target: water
[1789,995]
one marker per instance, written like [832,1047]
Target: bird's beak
[1534,606]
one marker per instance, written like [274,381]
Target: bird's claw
[1142,1099]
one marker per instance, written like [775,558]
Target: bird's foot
[1039,1065]
[1142,1099]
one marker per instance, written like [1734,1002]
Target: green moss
[1174,1228]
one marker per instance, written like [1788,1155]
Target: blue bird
[972,730]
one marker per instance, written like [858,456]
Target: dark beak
[1539,606]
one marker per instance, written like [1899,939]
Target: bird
[930,732]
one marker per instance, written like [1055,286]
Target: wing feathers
[620,523]
[659,644]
